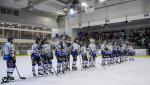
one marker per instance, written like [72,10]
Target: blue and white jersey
[68,48]
[83,50]
[92,50]
[8,49]
[56,40]
[124,47]
[60,46]
[131,49]
[114,48]
[118,49]
[47,48]
[110,49]
[103,47]
[92,47]
[35,49]
[57,47]
[75,47]
[64,48]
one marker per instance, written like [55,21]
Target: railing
[18,40]
[23,33]
[28,30]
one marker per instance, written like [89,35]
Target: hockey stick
[102,66]
[80,57]
[19,74]
[54,70]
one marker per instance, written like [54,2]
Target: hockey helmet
[10,39]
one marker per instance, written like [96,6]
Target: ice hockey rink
[41,27]
[128,73]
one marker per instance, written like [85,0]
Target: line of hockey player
[116,53]
[64,48]
[42,55]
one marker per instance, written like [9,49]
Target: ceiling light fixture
[72,11]
[12,26]
[102,1]
[83,4]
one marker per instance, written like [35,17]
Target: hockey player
[125,53]
[49,52]
[84,56]
[121,52]
[92,52]
[9,57]
[118,60]
[64,53]
[67,53]
[109,53]
[104,49]
[131,52]
[56,39]
[59,47]
[114,53]
[36,58]
[74,52]
[46,56]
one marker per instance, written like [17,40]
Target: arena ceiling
[52,6]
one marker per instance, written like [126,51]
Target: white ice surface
[128,73]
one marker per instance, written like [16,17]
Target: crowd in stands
[139,37]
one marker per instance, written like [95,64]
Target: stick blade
[22,77]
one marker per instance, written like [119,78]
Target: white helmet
[92,41]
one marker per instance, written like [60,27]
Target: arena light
[72,11]
[102,1]
[83,4]
[12,26]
